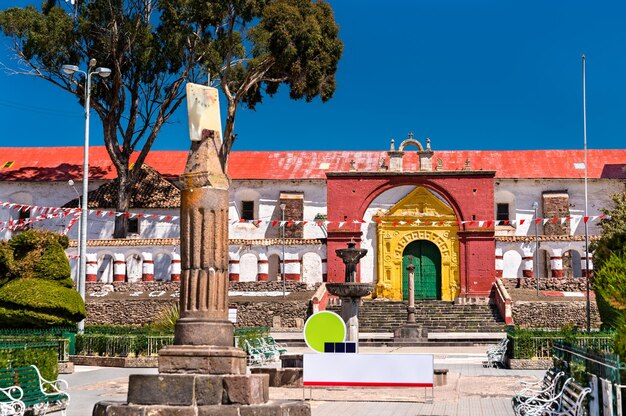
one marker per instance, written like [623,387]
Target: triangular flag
[341,224]
[586,219]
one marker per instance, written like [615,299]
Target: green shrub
[44,302]
[44,358]
[53,265]
[166,321]
[6,262]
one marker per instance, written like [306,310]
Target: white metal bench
[544,388]
[497,354]
[570,401]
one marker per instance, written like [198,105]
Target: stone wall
[123,305]
[287,314]
[126,312]
[554,315]
[174,286]
[571,284]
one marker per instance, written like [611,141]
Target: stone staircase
[435,316]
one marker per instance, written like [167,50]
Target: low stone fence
[174,286]
[554,315]
[570,284]
[142,303]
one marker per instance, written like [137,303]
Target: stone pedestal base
[273,408]
[410,332]
[200,395]
[201,359]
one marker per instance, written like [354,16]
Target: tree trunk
[123,203]
[229,135]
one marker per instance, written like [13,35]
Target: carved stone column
[203,337]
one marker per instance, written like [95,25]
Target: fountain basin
[350,289]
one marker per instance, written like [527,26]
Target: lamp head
[103,72]
[69,69]
[535,205]
[283,206]
[70,182]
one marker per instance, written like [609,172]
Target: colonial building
[465,217]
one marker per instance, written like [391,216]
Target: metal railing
[60,345]
[542,347]
[603,365]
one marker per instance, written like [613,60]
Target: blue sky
[469,75]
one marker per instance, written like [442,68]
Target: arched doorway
[426,258]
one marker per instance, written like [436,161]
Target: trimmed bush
[6,262]
[35,282]
[39,303]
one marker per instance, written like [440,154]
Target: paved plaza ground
[471,388]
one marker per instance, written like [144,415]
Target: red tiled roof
[63,163]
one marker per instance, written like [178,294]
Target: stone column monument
[411,331]
[202,374]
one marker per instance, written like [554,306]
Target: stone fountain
[350,292]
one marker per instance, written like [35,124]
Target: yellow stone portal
[397,228]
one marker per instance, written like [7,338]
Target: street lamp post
[585,219]
[82,269]
[535,207]
[282,208]
[80,224]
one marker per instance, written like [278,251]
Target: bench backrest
[572,400]
[28,379]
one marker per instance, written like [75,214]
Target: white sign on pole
[369,370]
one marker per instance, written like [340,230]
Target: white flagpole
[586,199]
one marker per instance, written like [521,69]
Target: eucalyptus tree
[249,48]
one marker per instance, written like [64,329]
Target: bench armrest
[10,391]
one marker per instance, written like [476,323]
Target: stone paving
[471,389]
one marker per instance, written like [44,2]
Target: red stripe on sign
[364,384]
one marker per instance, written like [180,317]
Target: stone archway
[470,195]
[398,228]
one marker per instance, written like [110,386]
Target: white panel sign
[376,370]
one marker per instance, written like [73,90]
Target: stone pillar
[233,270]
[119,267]
[292,268]
[411,277]
[556,263]
[263,268]
[324,270]
[499,262]
[175,273]
[202,373]
[583,265]
[527,263]
[147,267]
[91,272]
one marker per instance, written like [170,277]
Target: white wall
[266,196]
[527,191]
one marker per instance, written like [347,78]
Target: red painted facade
[469,193]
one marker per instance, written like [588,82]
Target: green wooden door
[427,262]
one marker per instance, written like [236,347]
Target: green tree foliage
[248,47]
[609,282]
[35,282]
[613,238]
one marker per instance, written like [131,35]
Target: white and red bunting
[99,213]
[417,221]
[50,212]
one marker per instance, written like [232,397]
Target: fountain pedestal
[350,294]
[351,291]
